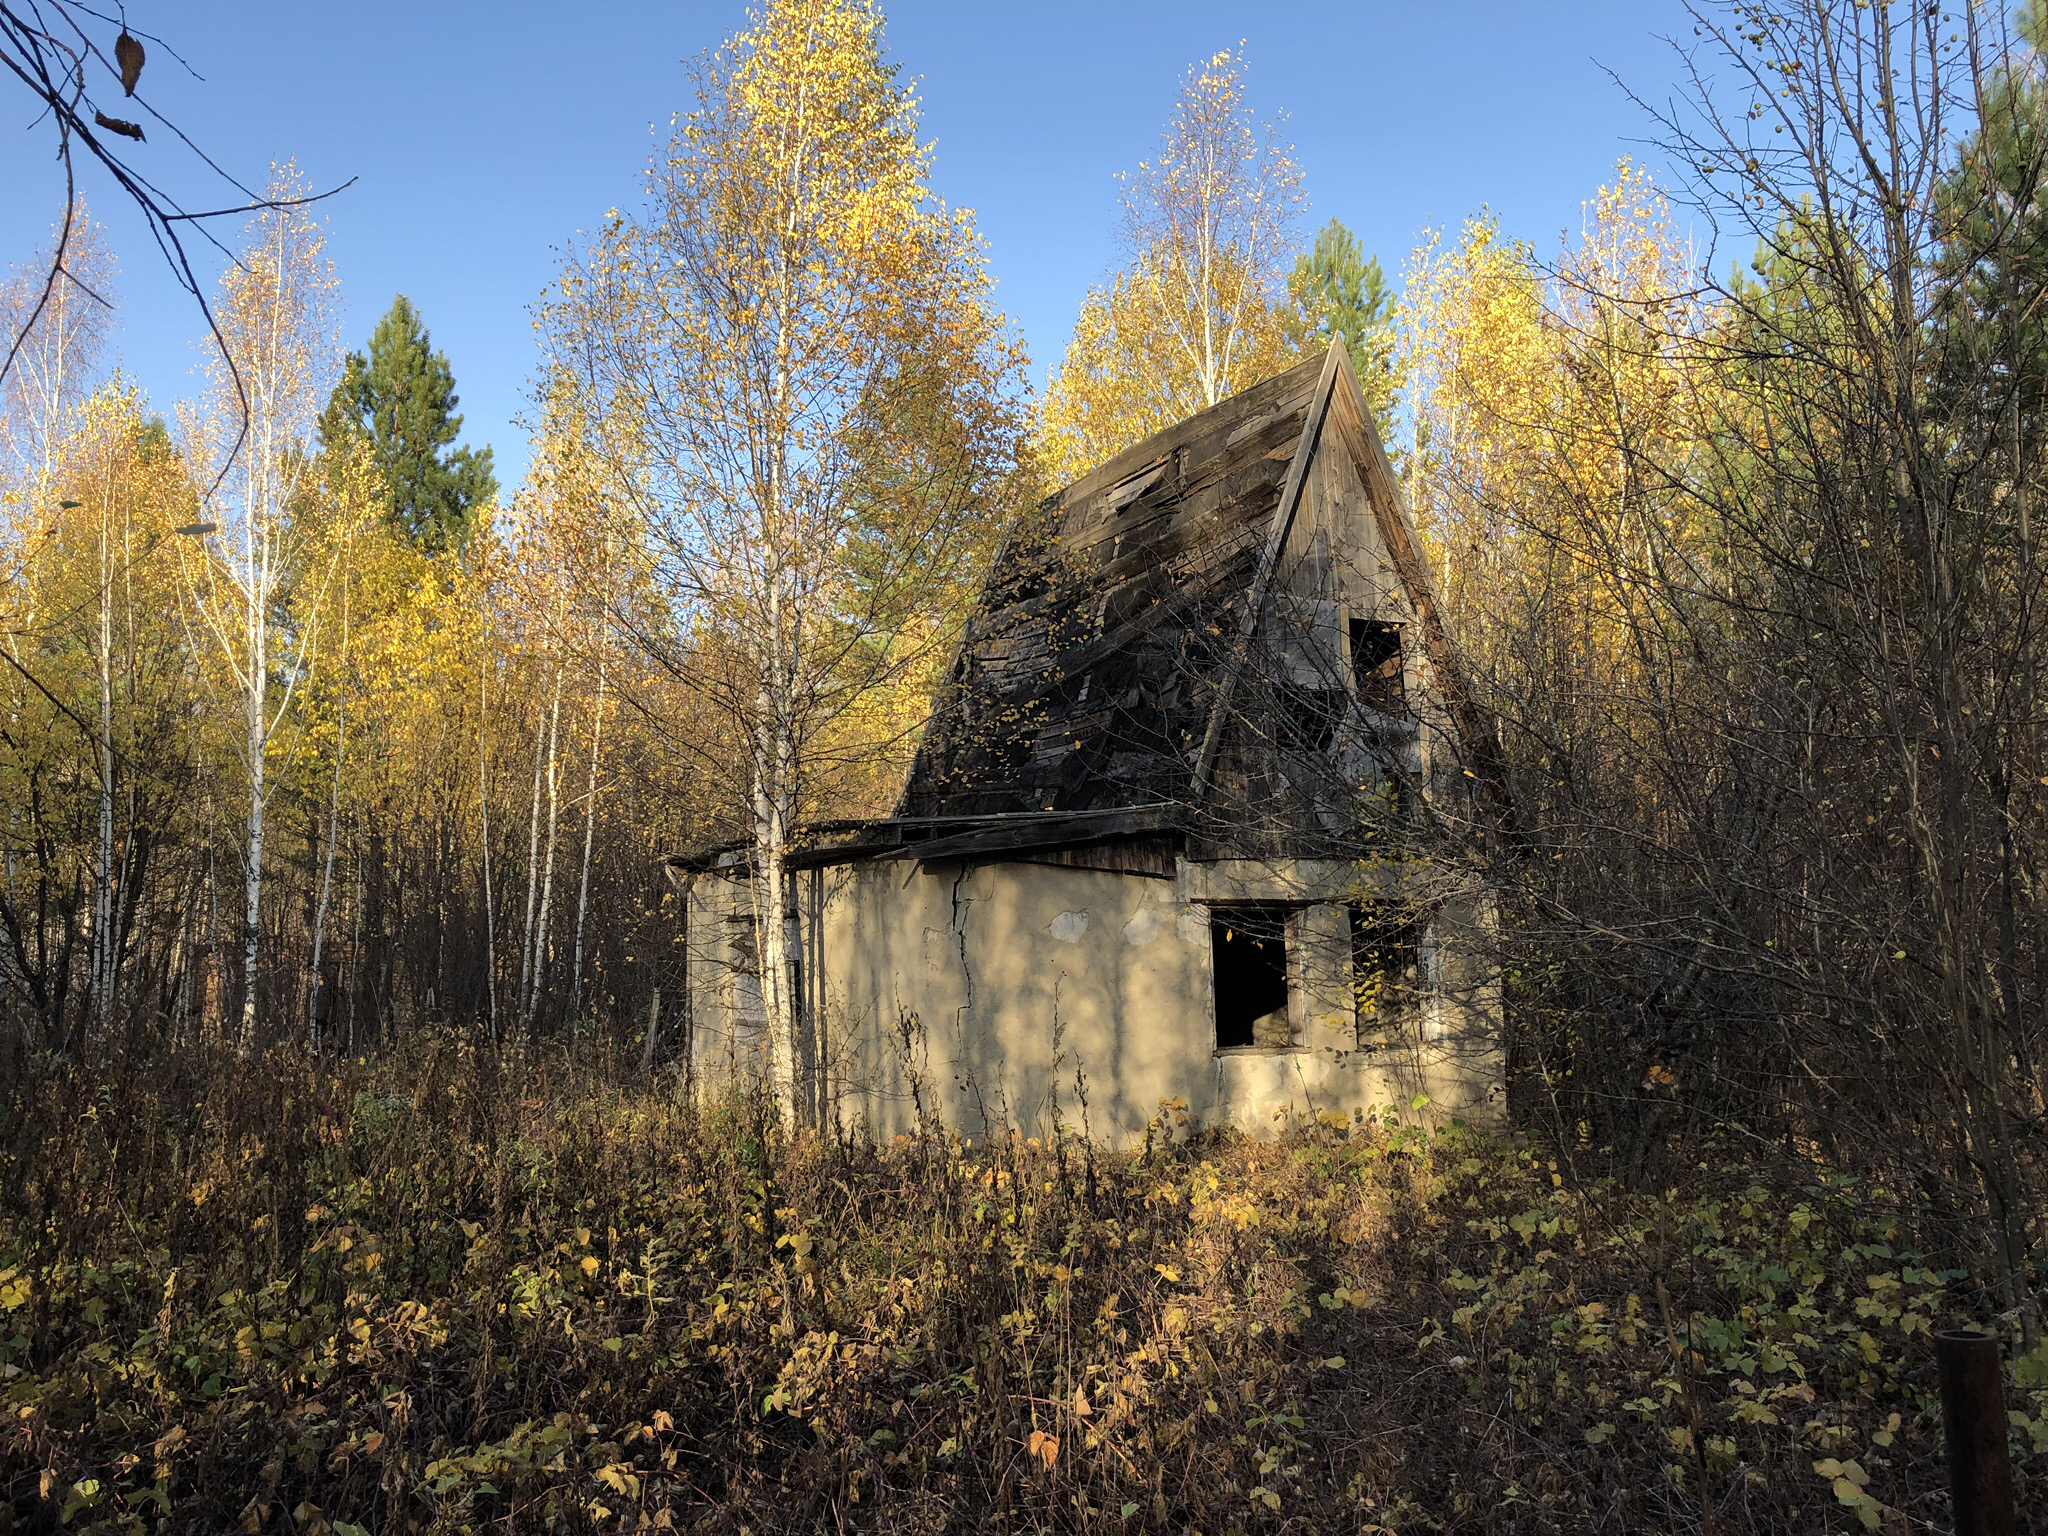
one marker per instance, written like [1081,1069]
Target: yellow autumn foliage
[1555,410]
[1199,311]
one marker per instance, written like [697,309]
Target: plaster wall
[1012,993]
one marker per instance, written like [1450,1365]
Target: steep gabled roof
[1087,676]
[1093,690]
[1098,671]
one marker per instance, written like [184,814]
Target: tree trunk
[547,876]
[104,901]
[532,875]
[774,803]
[653,1032]
[259,785]
[589,839]
[483,800]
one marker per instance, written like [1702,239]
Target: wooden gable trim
[1334,363]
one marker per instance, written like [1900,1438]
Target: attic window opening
[1376,666]
[1250,948]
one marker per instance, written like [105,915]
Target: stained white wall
[1024,994]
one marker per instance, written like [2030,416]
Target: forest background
[319,748]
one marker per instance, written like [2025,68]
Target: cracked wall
[1023,994]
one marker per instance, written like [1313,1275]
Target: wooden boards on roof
[1087,680]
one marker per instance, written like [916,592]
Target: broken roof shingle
[1087,678]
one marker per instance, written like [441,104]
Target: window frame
[1286,920]
[1380,685]
[1409,930]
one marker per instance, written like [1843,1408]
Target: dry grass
[465,1291]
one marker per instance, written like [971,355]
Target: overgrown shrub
[464,1290]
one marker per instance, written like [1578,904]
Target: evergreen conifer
[401,396]
[1338,290]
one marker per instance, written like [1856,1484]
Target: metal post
[1973,1422]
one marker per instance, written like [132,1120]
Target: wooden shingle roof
[1089,677]
[1114,657]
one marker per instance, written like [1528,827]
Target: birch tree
[262,548]
[1198,311]
[590,791]
[53,318]
[793,309]
[1748,580]
[61,321]
[130,493]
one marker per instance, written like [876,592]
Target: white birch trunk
[483,800]
[547,875]
[774,814]
[647,1046]
[774,728]
[259,787]
[771,843]
[210,1021]
[532,878]
[103,951]
[589,840]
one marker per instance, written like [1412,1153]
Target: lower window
[749,1008]
[1250,948]
[1386,969]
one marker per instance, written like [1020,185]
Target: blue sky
[484,137]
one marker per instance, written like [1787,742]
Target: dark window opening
[1250,945]
[745,940]
[1387,982]
[749,1006]
[1376,665]
[1309,718]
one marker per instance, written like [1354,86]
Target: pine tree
[401,395]
[1338,290]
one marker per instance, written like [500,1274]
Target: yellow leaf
[1043,1447]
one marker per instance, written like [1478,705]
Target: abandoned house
[1185,825]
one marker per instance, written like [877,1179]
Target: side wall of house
[1021,994]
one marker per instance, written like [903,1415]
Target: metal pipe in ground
[1973,1423]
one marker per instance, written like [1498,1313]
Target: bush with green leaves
[462,1290]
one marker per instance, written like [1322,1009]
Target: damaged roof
[1088,674]
[1097,669]
[1093,682]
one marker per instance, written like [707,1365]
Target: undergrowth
[463,1290]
